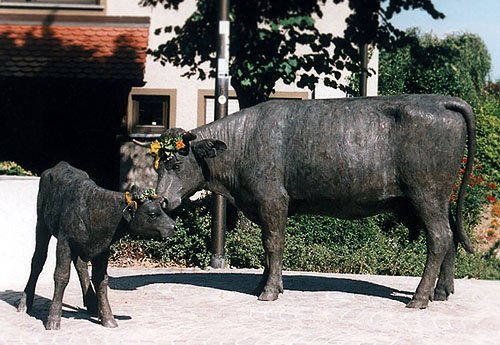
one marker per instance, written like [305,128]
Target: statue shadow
[41,305]
[247,282]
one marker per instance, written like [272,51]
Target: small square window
[150,111]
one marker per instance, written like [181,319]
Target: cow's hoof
[53,325]
[442,291]
[110,323]
[440,295]
[418,304]
[268,295]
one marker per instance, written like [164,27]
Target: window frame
[133,128]
[210,93]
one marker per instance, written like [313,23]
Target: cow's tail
[463,108]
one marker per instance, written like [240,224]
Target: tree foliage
[268,36]
[456,65]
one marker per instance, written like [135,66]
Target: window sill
[52,6]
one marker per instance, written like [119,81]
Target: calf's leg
[89,296]
[61,279]
[272,214]
[100,280]
[37,262]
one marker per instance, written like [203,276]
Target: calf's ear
[129,211]
[208,148]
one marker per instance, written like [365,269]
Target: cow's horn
[141,143]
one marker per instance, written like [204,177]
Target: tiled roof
[73,47]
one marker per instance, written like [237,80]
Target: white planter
[17,231]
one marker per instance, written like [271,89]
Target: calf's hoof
[418,303]
[53,325]
[110,323]
[22,307]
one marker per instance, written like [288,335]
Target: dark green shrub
[188,247]
[12,168]
[457,65]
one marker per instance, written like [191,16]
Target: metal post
[363,83]
[221,103]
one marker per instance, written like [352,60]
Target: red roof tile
[69,47]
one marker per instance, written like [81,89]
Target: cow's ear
[208,148]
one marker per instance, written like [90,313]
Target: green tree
[456,65]
[267,36]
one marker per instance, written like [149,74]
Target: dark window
[152,110]
[150,114]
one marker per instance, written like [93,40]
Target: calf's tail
[463,108]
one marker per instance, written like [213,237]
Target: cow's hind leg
[439,241]
[37,262]
[89,296]
[272,214]
[61,279]
[445,283]
[100,280]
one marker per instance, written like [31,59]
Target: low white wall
[17,233]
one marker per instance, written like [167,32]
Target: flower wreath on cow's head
[169,144]
[178,141]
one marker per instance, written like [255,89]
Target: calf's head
[145,214]
[179,160]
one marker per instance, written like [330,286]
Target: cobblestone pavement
[188,306]
[192,306]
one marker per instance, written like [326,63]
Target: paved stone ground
[191,306]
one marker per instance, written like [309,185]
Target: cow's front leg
[100,281]
[61,279]
[273,215]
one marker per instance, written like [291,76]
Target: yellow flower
[157,162]
[154,148]
[179,145]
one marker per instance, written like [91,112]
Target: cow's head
[180,161]
[145,214]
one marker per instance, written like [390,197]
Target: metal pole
[221,103]
[363,83]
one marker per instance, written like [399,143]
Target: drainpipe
[363,83]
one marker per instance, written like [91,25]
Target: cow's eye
[153,215]
[177,166]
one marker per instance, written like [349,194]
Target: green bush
[457,65]
[375,245]
[188,247]
[12,168]
[488,136]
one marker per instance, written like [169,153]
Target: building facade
[76,84]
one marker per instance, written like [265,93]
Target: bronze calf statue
[86,219]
